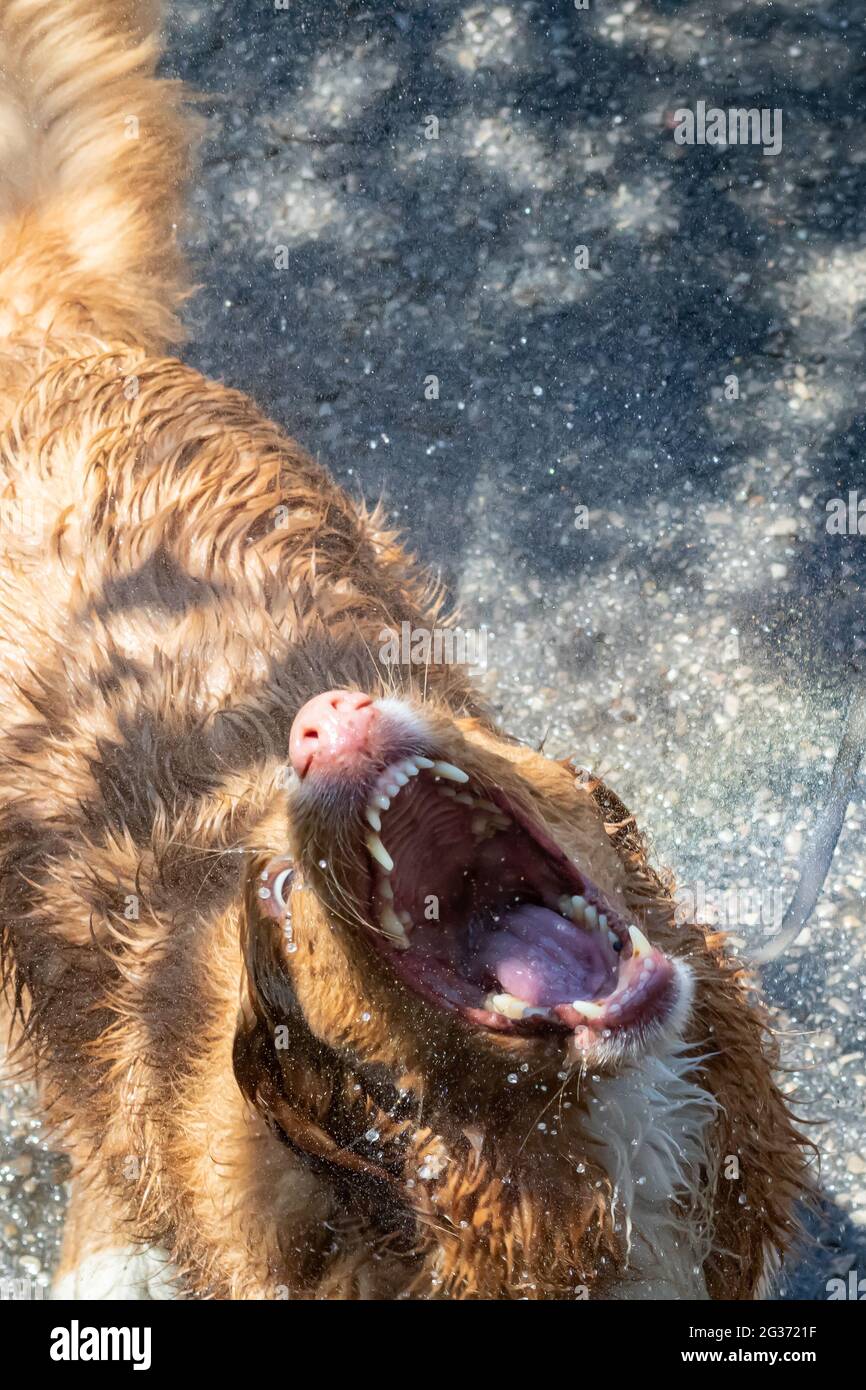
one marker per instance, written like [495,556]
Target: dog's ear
[306,1092]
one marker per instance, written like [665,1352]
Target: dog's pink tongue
[545,959]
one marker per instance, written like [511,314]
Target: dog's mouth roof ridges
[479,911]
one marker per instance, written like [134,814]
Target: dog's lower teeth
[639,943]
[587,1008]
[393,927]
[385,890]
[507,1004]
[590,916]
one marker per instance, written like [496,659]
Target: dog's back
[122,474]
[93,157]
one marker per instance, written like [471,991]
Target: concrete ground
[626,471]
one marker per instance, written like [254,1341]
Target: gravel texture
[651,559]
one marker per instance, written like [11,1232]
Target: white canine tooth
[373,818]
[590,916]
[578,908]
[450,772]
[385,890]
[381,801]
[587,1008]
[640,945]
[378,851]
[393,927]
[423,762]
[507,1004]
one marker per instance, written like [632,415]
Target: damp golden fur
[181,578]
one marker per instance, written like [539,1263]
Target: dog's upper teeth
[378,851]
[423,762]
[373,818]
[450,772]
[590,916]
[383,802]
[639,944]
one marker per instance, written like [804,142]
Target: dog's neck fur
[650,1123]
[470,1211]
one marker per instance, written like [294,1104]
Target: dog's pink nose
[331,732]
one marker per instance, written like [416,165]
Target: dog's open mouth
[480,912]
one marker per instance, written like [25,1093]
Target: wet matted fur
[179,579]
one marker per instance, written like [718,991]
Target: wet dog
[330,989]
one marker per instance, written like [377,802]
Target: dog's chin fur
[336,1135]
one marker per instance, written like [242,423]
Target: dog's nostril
[332,731]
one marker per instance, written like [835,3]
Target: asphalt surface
[649,551]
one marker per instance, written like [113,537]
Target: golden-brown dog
[331,990]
